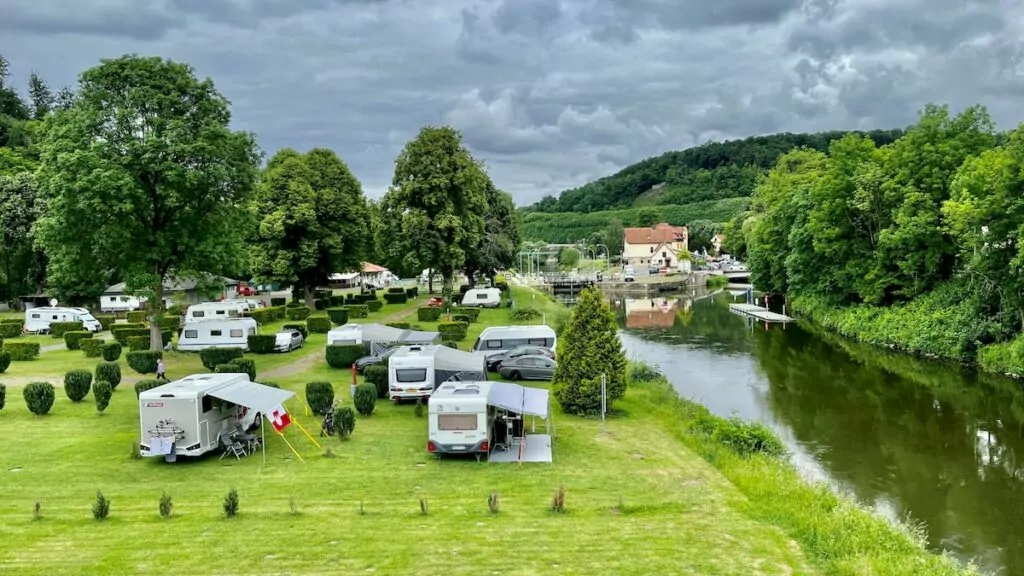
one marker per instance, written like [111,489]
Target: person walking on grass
[160,375]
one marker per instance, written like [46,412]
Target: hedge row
[73,339]
[57,329]
[396,298]
[22,350]
[262,343]
[453,331]
[93,347]
[111,352]
[318,324]
[298,312]
[144,361]
[213,357]
[343,356]
[338,315]
[105,320]
[358,310]
[428,314]
[10,330]
[142,341]
[374,305]
[137,317]
[267,315]
[472,313]
[5,362]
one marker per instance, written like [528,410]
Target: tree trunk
[156,309]
[309,295]
[430,281]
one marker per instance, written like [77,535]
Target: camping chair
[327,427]
[251,440]
[231,446]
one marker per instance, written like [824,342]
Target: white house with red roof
[658,245]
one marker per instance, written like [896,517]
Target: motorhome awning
[253,396]
[519,399]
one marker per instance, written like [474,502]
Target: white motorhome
[216,333]
[39,319]
[460,419]
[215,311]
[122,303]
[244,304]
[186,417]
[502,338]
[482,298]
[416,371]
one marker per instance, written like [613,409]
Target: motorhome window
[216,332]
[236,333]
[35,315]
[456,422]
[207,403]
[538,342]
[221,312]
[481,296]
[494,344]
[54,316]
[411,374]
[113,298]
[191,334]
[198,313]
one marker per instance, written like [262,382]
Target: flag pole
[263,439]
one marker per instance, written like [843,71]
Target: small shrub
[92,347]
[109,372]
[37,511]
[338,315]
[423,506]
[246,366]
[300,327]
[357,311]
[58,329]
[166,505]
[377,374]
[5,361]
[213,357]
[374,305]
[321,303]
[524,314]
[105,320]
[344,355]
[144,361]
[558,501]
[73,339]
[231,503]
[136,453]
[399,325]
[171,323]
[21,351]
[298,312]
[396,290]
[260,315]
[450,344]
[176,310]
[642,372]
[295,303]
[143,385]
[453,331]
[278,301]
[276,313]
[344,421]
[318,324]
[101,508]
[319,396]
[494,503]
[76,384]
[365,398]
[229,368]
[101,393]
[418,410]
[462,318]
[10,330]
[137,317]
[137,342]
[39,397]
[741,436]
[473,313]
[271,384]
[391,298]
[261,343]
[111,352]
[428,314]
[3,395]
[412,292]
[121,333]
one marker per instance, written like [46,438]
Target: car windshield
[387,353]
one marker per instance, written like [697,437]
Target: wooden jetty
[758,312]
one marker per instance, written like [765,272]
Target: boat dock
[758,312]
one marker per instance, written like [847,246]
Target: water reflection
[906,436]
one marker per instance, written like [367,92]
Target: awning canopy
[519,399]
[253,396]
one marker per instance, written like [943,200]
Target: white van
[628,274]
[460,420]
[214,311]
[482,298]
[503,338]
[216,333]
[415,371]
[38,319]
[122,303]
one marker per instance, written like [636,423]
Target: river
[911,438]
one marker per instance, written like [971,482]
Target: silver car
[528,368]
[288,340]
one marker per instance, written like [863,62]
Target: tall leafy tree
[142,175]
[496,249]
[588,348]
[40,95]
[314,220]
[437,202]
[23,267]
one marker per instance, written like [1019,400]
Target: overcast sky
[550,93]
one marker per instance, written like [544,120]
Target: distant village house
[658,245]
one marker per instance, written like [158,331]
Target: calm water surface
[911,438]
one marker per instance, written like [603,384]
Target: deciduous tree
[40,95]
[143,175]
[496,249]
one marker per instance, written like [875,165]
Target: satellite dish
[53,301]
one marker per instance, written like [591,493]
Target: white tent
[523,401]
[458,363]
[377,337]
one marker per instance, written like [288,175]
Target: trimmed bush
[229,368]
[338,315]
[300,327]
[3,395]
[461,318]
[271,384]
[137,317]
[365,398]
[412,292]
[101,392]
[176,310]
[276,313]
[342,356]
[111,352]
[77,384]
[377,374]
[344,421]
[231,504]
[109,372]
[261,343]
[144,361]
[392,298]
[247,366]
[39,397]
[319,396]
[524,314]
[260,315]
[22,350]
[138,342]
[357,311]
[428,314]
[5,361]
[213,357]
[318,324]
[298,313]
[450,344]
[122,334]
[399,325]
[295,303]
[374,305]
[143,385]
[93,347]
[171,323]
[10,330]
[278,301]
[105,320]
[336,301]
[396,290]
[321,304]
[473,313]
[453,331]
[58,329]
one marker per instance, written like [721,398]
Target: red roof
[655,234]
[368,268]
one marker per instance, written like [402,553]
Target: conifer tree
[588,347]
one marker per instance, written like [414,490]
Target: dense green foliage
[261,343]
[344,355]
[39,397]
[22,350]
[111,352]
[365,399]
[109,372]
[143,385]
[3,395]
[77,384]
[92,347]
[5,361]
[338,315]
[213,357]
[344,421]
[101,393]
[377,374]
[588,348]
[318,324]
[144,361]
[319,396]
[229,368]
[247,366]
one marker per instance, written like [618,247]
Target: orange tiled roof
[655,234]
[368,267]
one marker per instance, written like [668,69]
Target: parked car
[288,340]
[435,302]
[528,368]
[494,360]
[652,269]
[366,361]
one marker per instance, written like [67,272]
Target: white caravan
[186,417]
[122,303]
[502,338]
[460,420]
[482,298]
[38,319]
[416,371]
[216,333]
[243,304]
[214,311]
[346,335]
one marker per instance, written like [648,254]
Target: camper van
[501,338]
[346,335]
[185,417]
[244,304]
[459,419]
[416,371]
[216,333]
[214,311]
[482,298]
[122,303]
[38,319]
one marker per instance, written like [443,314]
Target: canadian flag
[279,418]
